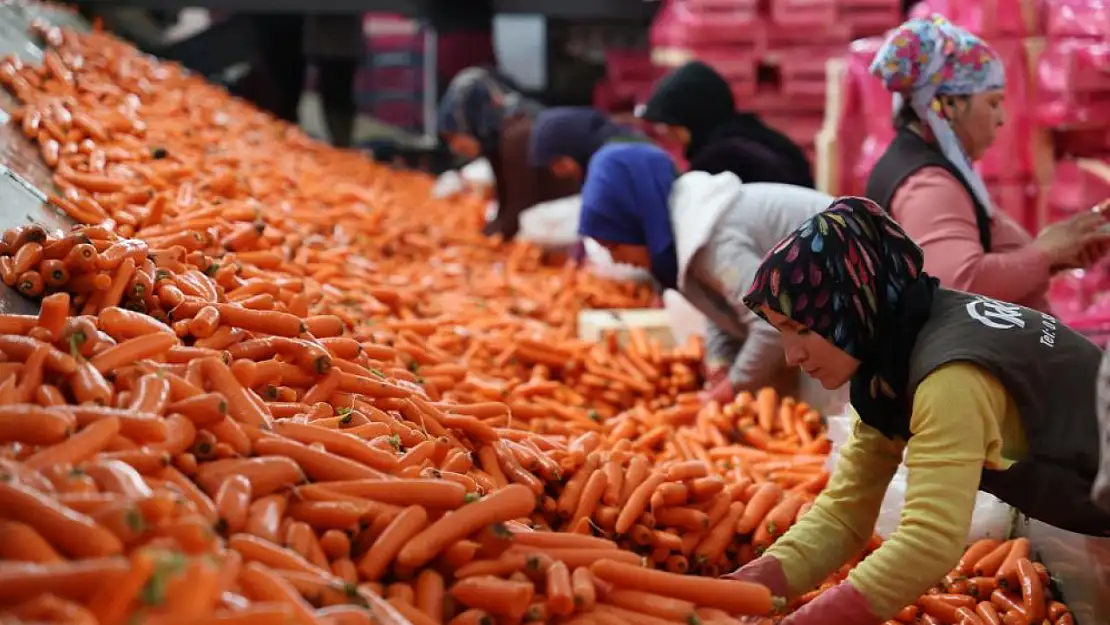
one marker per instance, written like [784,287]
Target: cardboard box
[592,324]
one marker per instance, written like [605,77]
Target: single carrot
[734,597]
[508,503]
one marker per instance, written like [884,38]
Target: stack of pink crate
[629,77]
[773,52]
[1051,159]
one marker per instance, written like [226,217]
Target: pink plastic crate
[1073,86]
[1011,157]
[1077,18]
[804,12]
[717,6]
[1002,18]
[632,90]
[773,100]
[802,129]
[386,31]
[865,127]
[868,18]
[802,70]
[621,65]
[678,25]
[1016,198]
[776,36]
[743,90]
[605,97]
[732,64]
[1083,143]
[1074,190]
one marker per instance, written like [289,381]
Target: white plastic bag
[991,518]
[685,320]
[449,183]
[552,224]
[600,262]
[477,173]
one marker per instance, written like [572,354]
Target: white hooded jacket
[723,229]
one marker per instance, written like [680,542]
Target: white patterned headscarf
[929,57]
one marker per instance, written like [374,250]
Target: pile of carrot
[272,382]
[995,583]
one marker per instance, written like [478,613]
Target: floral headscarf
[929,57]
[476,103]
[853,276]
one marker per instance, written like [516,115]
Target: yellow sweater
[963,420]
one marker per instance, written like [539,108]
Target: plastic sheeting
[991,519]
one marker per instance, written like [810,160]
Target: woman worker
[978,393]
[482,116]
[694,105]
[948,93]
[565,138]
[703,235]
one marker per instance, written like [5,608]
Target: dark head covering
[477,102]
[571,131]
[852,275]
[626,199]
[699,99]
[695,97]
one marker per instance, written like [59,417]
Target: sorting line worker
[979,394]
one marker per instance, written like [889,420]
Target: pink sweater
[937,212]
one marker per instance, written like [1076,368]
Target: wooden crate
[592,324]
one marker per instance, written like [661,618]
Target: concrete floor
[366,127]
[193,20]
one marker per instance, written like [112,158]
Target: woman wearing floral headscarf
[978,394]
[948,94]
[481,115]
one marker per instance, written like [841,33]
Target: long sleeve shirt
[937,212]
[724,267]
[963,420]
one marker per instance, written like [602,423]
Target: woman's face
[464,145]
[566,167]
[636,255]
[976,120]
[813,353]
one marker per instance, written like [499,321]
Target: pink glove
[840,605]
[714,375]
[763,570]
[722,392]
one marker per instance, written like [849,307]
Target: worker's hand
[714,374]
[721,392]
[840,605]
[1067,243]
[1091,254]
[764,570]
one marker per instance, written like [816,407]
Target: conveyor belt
[23,175]
[22,203]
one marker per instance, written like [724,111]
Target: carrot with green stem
[511,502]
